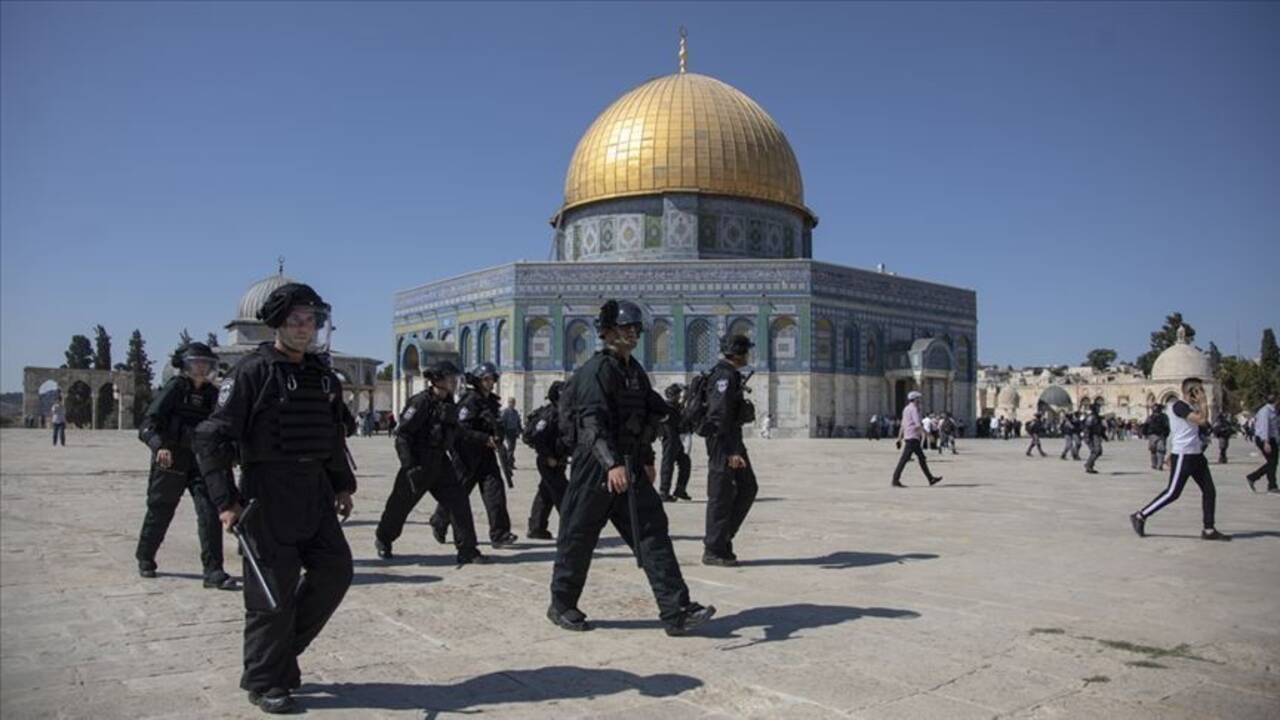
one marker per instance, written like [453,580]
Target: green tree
[1215,356]
[384,372]
[1269,356]
[102,361]
[211,340]
[79,404]
[1164,338]
[137,362]
[184,337]
[79,354]
[1100,358]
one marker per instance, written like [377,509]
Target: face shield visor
[307,328]
[200,368]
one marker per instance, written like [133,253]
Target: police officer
[542,433]
[673,452]
[281,408]
[1068,429]
[613,413]
[1034,429]
[1156,428]
[731,483]
[168,429]
[425,437]
[479,437]
[1223,429]
[1094,430]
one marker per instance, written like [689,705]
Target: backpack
[694,414]
[567,413]
[540,430]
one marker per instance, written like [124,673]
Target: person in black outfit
[1068,429]
[1034,429]
[425,438]
[279,415]
[1223,429]
[542,433]
[168,429]
[1156,430]
[480,433]
[1094,430]
[731,482]
[673,452]
[611,413]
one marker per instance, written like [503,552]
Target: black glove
[419,480]
[898,444]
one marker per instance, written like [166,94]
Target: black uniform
[285,418]
[674,456]
[1034,429]
[424,439]
[1094,430]
[478,463]
[615,411]
[170,424]
[543,435]
[1156,428]
[1223,429]
[1069,441]
[730,493]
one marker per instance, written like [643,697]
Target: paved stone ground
[1014,589]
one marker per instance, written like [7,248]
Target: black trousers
[552,485]
[1195,467]
[164,490]
[493,493]
[1035,445]
[588,505]
[1268,467]
[60,433]
[448,493]
[1156,446]
[1223,442]
[308,564]
[673,457]
[1070,444]
[909,448]
[1095,451]
[730,495]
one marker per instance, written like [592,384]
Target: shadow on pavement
[840,560]
[377,578]
[559,682]
[780,622]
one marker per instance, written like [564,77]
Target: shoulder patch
[409,412]
[224,391]
[542,425]
[464,412]
[722,385]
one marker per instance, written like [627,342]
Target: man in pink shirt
[912,431]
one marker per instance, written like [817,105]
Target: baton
[246,550]
[500,451]
[634,512]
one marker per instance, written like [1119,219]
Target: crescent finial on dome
[684,54]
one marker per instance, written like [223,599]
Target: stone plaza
[1014,589]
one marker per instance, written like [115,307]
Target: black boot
[690,618]
[220,580]
[383,549]
[276,701]
[571,619]
[147,568]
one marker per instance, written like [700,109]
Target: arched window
[698,345]
[743,326]
[851,347]
[504,342]
[538,343]
[823,344]
[482,344]
[660,344]
[784,339]
[465,349]
[873,355]
[578,344]
[446,335]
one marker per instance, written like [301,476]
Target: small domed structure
[1180,361]
[1054,396]
[1008,397]
[257,294]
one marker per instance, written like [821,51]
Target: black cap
[485,368]
[192,351]
[735,345]
[286,297]
[440,369]
[619,313]
[553,392]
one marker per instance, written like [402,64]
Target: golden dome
[684,133]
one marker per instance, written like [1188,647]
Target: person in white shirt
[1266,435]
[1186,460]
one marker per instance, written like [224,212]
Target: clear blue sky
[1085,167]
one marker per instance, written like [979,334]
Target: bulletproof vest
[297,420]
[192,407]
[632,403]
[479,413]
[439,429]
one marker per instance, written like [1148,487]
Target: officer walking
[731,482]
[168,428]
[281,407]
[425,437]
[1156,428]
[1223,429]
[1069,437]
[673,452]
[510,433]
[1094,430]
[480,436]
[1034,429]
[542,433]
[612,411]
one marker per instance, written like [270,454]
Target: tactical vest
[296,421]
[192,407]
[633,425]
[438,432]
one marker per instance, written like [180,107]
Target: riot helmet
[301,319]
[196,360]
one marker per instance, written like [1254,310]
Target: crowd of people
[263,455]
